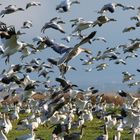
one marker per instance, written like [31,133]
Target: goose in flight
[10,42]
[102,20]
[128,29]
[33,3]
[109,8]
[65,84]
[40,42]
[65,5]
[133,84]
[76,50]
[59,48]
[127,76]
[54,24]
[27,24]
[82,25]
[101,66]
[63,68]
[10,9]
[132,48]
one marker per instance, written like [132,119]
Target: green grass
[91,131]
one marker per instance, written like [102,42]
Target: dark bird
[138,70]
[10,9]
[63,68]
[122,93]
[128,29]
[58,48]
[66,86]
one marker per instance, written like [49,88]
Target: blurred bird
[54,24]
[65,5]
[101,66]
[27,24]
[128,29]
[128,7]
[65,84]
[76,50]
[127,76]
[44,72]
[100,39]
[82,25]
[132,48]
[133,84]
[63,68]
[33,3]
[120,61]
[11,43]
[102,20]
[122,93]
[10,9]
[109,8]
[40,42]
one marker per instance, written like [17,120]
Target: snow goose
[10,43]
[27,24]
[82,25]
[2,135]
[33,3]
[76,50]
[10,9]
[54,24]
[102,20]
[110,7]
[65,5]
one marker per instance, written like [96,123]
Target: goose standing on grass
[10,9]
[75,135]
[65,5]
[2,135]
[105,135]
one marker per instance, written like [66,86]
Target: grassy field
[92,129]
[91,132]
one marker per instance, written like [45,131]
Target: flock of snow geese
[62,106]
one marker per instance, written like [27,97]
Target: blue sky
[111,31]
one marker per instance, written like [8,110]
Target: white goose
[76,50]
[6,126]
[10,43]
[2,135]
[65,5]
